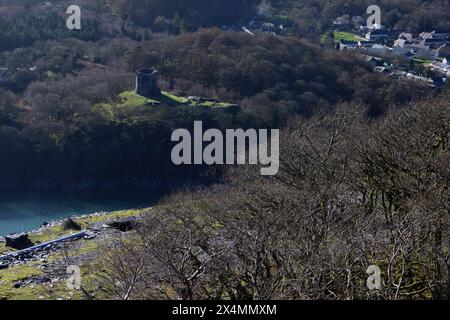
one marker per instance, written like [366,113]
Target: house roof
[405,35]
[426,35]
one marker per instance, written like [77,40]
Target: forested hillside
[409,15]
[185,15]
[349,194]
[364,148]
[55,119]
[55,83]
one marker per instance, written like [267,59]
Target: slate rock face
[18,242]
[123,225]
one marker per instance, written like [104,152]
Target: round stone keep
[147,83]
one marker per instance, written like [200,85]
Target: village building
[365,28]
[405,75]
[376,35]
[417,78]
[426,35]
[378,50]
[424,52]
[366,44]
[441,67]
[405,36]
[406,53]
[344,44]
[399,43]
[343,20]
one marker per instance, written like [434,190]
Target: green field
[422,61]
[341,35]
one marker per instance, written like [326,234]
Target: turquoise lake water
[27,210]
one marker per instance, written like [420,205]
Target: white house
[427,35]
[406,36]
[442,67]
[399,43]
[342,20]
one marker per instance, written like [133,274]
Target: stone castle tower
[147,83]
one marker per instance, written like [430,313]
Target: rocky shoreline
[43,251]
[53,223]
[40,271]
